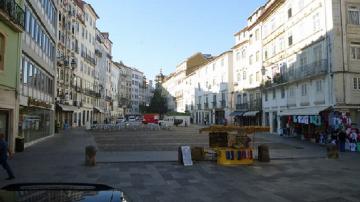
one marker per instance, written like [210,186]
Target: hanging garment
[295,120]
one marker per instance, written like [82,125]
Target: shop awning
[236,113]
[68,108]
[251,113]
[303,111]
[98,110]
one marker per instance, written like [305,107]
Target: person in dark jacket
[342,140]
[4,151]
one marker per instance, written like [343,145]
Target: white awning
[99,110]
[303,111]
[250,113]
[68,108]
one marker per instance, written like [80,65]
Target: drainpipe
[342,52]
[328,57]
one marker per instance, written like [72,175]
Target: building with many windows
[86,92]
[310,55]
[248,72]
[38,71]
[137,79]
[125,80]
[11,26]
[202,85]
[67,62]
[103,48]
[213,90]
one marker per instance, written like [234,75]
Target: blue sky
[154,34]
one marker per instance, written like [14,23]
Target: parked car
[120,120]
[61,191]
[132,119]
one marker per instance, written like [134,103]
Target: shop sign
[38,103]
[316,119]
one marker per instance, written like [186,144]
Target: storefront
[8,116]
[306,126]
[35,123]
[306,123]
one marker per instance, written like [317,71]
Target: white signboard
[186,155]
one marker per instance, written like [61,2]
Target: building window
[291,92]
[304,90]
[257,56]
[243,53]
[244,75]
[251,79]
[354,15]
[357,83]
[238,76]
[257,76]
[257,35]
[274,93]
[2,51]
[266,96]
[282,92]
[319,86]
[316,22]
[251,59]
[266,54]
[237,56]
[317,53]
[355,51]
[289,13]
[290,40]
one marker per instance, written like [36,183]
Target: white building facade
[310,56]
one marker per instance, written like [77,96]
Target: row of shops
[321,127]
[246,118]
[71,116]
[209,117]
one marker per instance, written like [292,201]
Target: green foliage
[144,109]
[158,103]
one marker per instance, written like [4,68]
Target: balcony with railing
[88,58]
[199,106]
[214,104]
[223,103]
[302,72]
[12,14]
[98,53]
[255,105]
[108,98]
[242,106]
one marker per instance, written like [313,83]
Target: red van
[150,118]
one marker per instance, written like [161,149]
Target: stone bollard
[180,158]
[90,155]
[332,151]
[263,153]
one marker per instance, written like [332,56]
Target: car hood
[62,195]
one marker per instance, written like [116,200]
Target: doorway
[4,123]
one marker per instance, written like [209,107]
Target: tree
[158,103]
[143,109]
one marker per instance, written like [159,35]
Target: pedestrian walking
[4,151]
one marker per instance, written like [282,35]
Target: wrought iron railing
[15,12]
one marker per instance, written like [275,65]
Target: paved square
[298,172]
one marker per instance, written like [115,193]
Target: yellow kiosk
[232,143]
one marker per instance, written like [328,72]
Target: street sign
[186,155]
